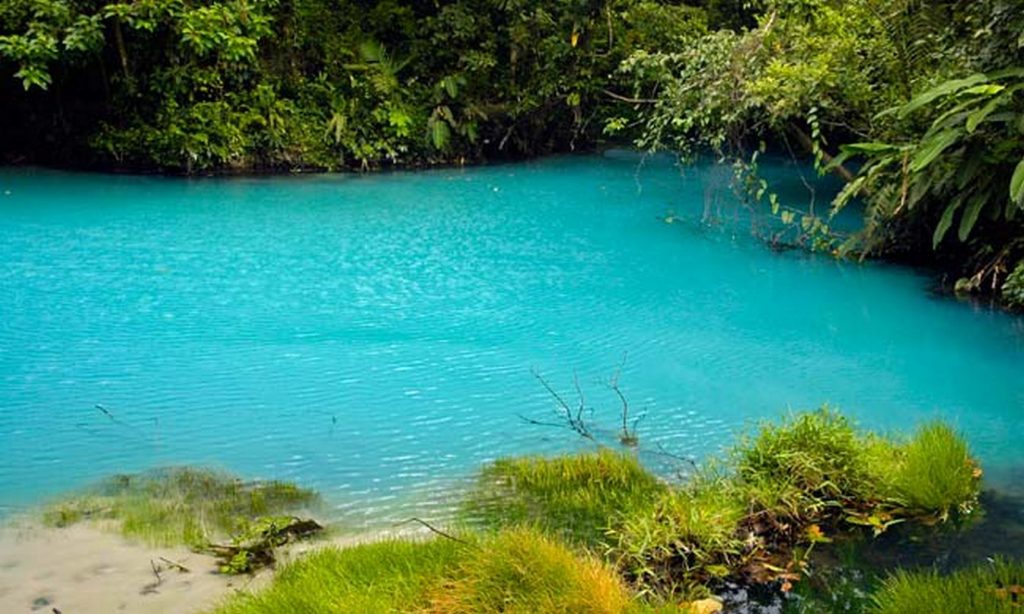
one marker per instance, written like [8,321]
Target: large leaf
[930,149]
[970,216]
[944,223]
[976,117]
[943,89]
[1017,184]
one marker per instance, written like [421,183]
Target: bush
[522,570]
[575,497]
[993,588]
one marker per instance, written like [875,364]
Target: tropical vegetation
[917,104]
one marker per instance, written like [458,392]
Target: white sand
[83,569]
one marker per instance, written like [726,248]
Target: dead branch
[175,565]
[435,530]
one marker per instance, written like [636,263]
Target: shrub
[992,588]
[522,570]
[575,497]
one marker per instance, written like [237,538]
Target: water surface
[374,336]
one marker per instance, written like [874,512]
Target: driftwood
[255,548]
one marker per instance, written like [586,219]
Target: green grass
[819,455]
[991,588]
[685,540]
[388,576]
[523,571]
[519,570]
[937,474]
[816,467]
[575,497]
[179,505]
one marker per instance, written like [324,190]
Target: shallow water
[374,336]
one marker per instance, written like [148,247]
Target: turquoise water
[374,336]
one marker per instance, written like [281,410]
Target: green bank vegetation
[917,105]
[753,517]
[995,587]
[596,532]
[240,522]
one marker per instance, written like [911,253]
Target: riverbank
[595,530]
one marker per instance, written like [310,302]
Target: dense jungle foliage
[917,104]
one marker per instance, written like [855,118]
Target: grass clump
[687,540]
[993,588]
[575,497]
[523,571]
[180,505]
[387,576]
[936,474]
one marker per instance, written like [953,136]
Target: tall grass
[575,497]
[991,588]
[179,505]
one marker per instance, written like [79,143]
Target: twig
[156,572]
[434,529]
[622,98]
[175,565]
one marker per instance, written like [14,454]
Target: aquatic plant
[991,588]
[575,497]
[181,505]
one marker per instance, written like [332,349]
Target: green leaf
[1017,184]
[975,118]
[970,216]
[930,149]
[869,148]
[944,223]
[943,89]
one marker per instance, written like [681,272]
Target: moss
[179,505]
[575,497]
[990,588]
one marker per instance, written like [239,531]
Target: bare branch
[434,529]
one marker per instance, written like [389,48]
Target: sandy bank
[83,569]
